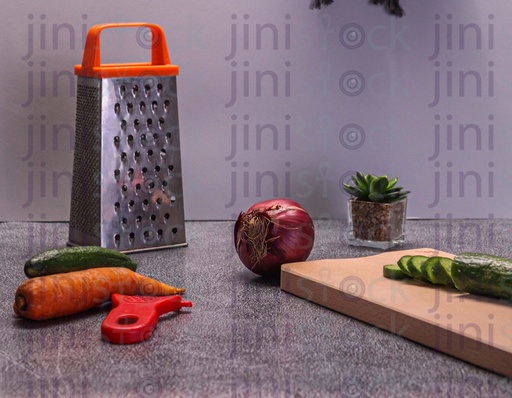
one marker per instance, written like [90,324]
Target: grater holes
[168,136]
[131,237]
[123,124]
[124,222]
[124,156]
[157,169]
[159,201]
[116,140]
[167,104]
[160,232]
[117,108]
[149,122]
[136,156]
[117,207]
[129,107]
[145,204]
[142,107]
[154,106]
[150,153]
[117,239]
[167,216]
[164,184]
[153,217]
[162,153]
[159,87]
[136,123]
[130,139]
[124,188]
[144,170]
[122,91]
[138,187]
[173,199]
[117,174]
[174,230]
[161,122]
[148,235]
[131,173]
[170,168]
[135,90]
[131,205]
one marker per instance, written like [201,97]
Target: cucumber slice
[443,268]
[427,270]
[437,270]
[414,265]
[393,271]
[402,264]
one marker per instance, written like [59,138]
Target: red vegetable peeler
[134,318]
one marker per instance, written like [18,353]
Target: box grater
[127,191]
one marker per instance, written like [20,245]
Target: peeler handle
[134,318]
[160,61]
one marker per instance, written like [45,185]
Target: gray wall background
[278,100]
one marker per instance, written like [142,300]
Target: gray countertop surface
[243,336]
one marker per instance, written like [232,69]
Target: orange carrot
[51,296]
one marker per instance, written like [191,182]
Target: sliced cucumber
[402,264]
[427,270]
[393,271]
[443,269]
[414,265]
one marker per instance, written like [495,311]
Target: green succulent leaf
[376,197]
[392,182]
[379,185]
[370,187]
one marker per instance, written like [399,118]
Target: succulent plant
[373,188]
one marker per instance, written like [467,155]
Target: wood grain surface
[473,328]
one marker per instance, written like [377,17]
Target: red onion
[272,233]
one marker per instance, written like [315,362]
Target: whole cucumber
[76,258]
[483,274]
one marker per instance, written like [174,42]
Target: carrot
[52,296]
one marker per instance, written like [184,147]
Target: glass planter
[379,225]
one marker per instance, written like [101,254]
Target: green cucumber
[483,274]
[438,270]
[427,270]
[442,269]
[414,265]
[76,258]
[393,271]
[402,264]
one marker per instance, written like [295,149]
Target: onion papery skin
[272,233]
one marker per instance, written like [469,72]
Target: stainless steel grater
[127,191]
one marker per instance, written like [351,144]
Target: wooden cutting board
[472,328]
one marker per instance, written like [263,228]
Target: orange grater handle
[160,62]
